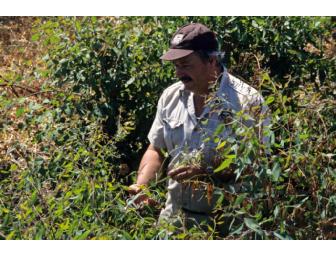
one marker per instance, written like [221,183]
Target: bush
[77,144]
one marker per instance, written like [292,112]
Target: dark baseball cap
[190,38]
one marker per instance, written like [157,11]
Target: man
[189,112]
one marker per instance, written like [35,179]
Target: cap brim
[173,54]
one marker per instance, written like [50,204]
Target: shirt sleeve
[156,133]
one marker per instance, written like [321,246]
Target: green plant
[70,147]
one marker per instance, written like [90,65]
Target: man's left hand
[185,172]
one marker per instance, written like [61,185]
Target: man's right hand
[143,198]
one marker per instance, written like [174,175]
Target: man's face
[195,74]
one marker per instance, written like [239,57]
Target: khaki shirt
[177,130]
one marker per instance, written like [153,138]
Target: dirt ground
[19,56]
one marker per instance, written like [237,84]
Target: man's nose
[179,72]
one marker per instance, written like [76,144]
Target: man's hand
[185,172]
[142,199]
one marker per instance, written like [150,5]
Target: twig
[41,92]
[33,93]
[2,235]
[14,91]
[18,86]
[324,125]
[257,60]
[12,86]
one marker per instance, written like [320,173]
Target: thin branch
[256,60]
[41,92]
[17,86]
[2,235]
[14,91]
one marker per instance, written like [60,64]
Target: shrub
[76,144]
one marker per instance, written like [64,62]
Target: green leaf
[54,39]
[130,81]
[83,236]
[94,19]
[225,164]
[255,24]
[206,140]
[282,236]
[269,100]
[303,136]
[276,211]
[239,199]
[238,230]
[13,167]
[221,145]
[252,224]
[276,171]
[65,225]
[78,26]
[69,166]
[35,37]
[19,112]
[219,129]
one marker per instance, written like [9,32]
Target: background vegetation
[78,96]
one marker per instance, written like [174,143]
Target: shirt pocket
[174,133]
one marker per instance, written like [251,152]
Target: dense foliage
[70,148]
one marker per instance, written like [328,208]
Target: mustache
[185,79]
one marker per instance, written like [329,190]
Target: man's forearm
[149,166]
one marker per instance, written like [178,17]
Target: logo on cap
[177,39]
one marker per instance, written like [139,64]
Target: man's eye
[186,66]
